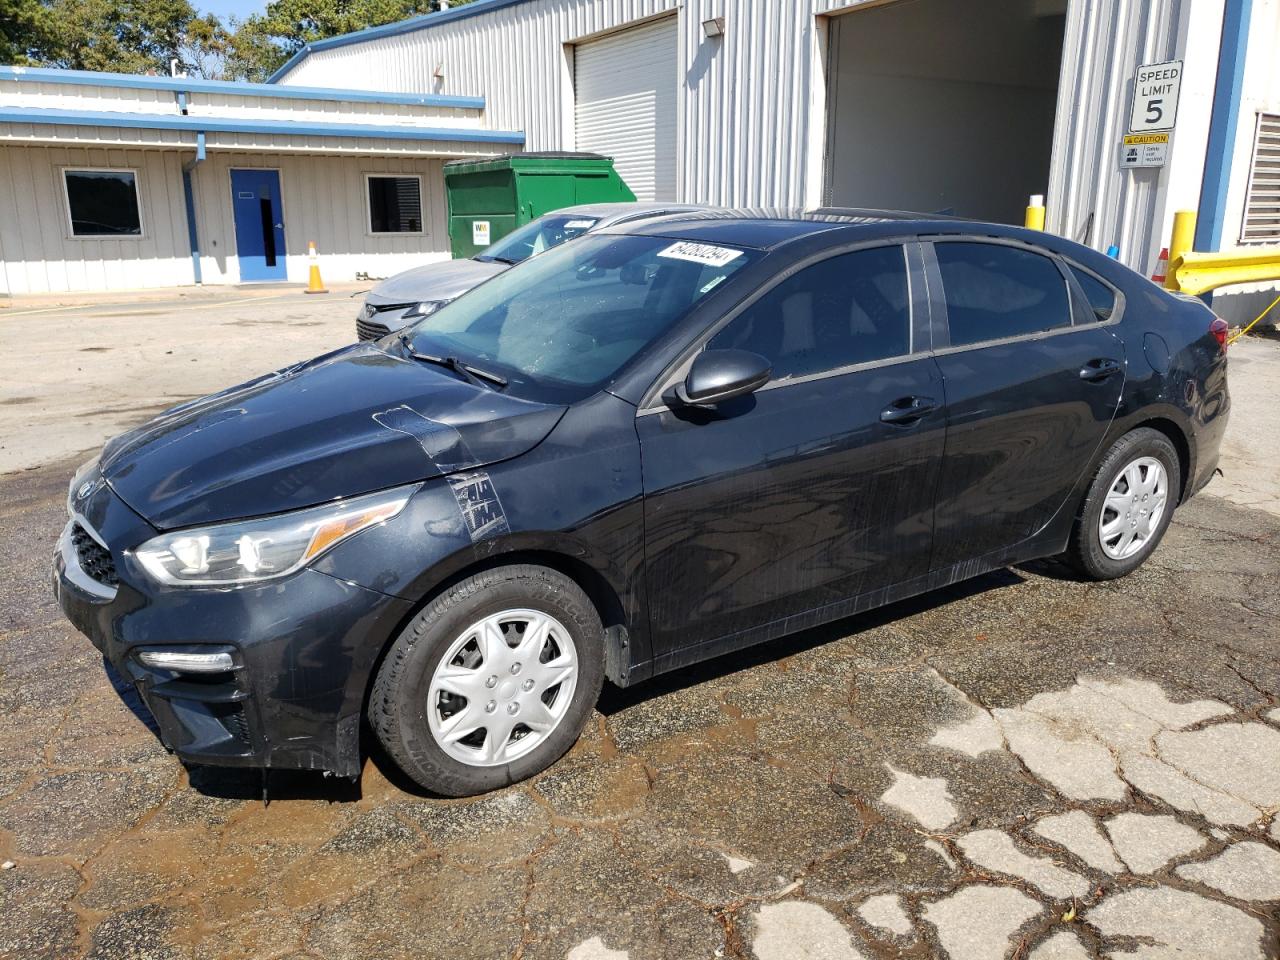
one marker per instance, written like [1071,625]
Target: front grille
[95,559]
[369,330]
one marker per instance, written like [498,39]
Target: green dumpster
[490,198]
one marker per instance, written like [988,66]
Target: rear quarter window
[1100,296]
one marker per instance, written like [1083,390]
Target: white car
[419,292]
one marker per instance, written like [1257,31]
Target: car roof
[766,227]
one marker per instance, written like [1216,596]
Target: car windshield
[558,327]
[542,234]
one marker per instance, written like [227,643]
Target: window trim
[938,299]
[368,205]
[69,223]
[918,309]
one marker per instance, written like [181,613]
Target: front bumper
[303,649]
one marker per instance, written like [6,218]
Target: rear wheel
[1128,507]
[491,682]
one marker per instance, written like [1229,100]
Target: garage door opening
[943,106]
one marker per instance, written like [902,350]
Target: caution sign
[1144,150]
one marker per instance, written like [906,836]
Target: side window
[851,308]
[1101,297]
[995,291]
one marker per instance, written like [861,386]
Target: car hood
[351,422]
[435,281]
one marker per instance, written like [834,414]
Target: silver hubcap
[502,687]
[1133,508]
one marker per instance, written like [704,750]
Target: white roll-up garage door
[625,104]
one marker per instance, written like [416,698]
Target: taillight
[1219,330]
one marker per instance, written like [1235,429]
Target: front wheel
[491,682]
[1128,507]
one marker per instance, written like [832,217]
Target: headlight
[424,309]
[252,550]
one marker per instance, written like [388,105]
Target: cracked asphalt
[1022,765]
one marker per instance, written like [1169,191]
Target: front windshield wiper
[490,258]
[471,374]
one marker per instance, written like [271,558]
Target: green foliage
[137,36]
[263,42]
[24,30]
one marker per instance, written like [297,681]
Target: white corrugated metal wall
[753,104]
[40,255]
[324,198]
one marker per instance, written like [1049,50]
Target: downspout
[1227,91]
[190,195]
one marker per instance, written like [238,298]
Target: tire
[1098,553]
[493,679]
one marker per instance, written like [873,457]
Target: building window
[103,203]
[1262,207]
[395,204]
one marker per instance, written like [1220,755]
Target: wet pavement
[1022,765]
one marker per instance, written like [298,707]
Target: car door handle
[1099,369]
[908,410]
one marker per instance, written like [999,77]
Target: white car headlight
[248,551]
[424,309]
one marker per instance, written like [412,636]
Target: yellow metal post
[1035,213]
[1184,235]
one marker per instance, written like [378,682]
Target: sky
[225,9]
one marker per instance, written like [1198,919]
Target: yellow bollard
[1183,239]
[314,283]
[1035,213]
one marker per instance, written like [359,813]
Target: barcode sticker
[705,253]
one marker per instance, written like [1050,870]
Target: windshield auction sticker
[704,253]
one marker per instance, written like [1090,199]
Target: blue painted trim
[1223,125]
[189,195]
[148,121]
[423,22]
[192,85]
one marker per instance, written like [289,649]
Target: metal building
[110,181]
[966,106]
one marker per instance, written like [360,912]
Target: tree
[133,36]
[263,42]
[24,30]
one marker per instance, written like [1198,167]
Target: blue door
[255,199]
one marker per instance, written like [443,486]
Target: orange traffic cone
[1160,273]
[314,284]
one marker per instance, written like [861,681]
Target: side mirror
[720,375]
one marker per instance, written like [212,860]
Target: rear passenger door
[818,487]
[1032,378]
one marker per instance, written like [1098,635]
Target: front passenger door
[814,490]
[1031,388]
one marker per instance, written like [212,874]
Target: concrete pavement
[1022,765]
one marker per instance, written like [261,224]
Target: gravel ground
[1020,765]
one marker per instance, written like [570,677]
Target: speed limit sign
[1155,96]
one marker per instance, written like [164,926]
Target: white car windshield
[542,234]
[561,325]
